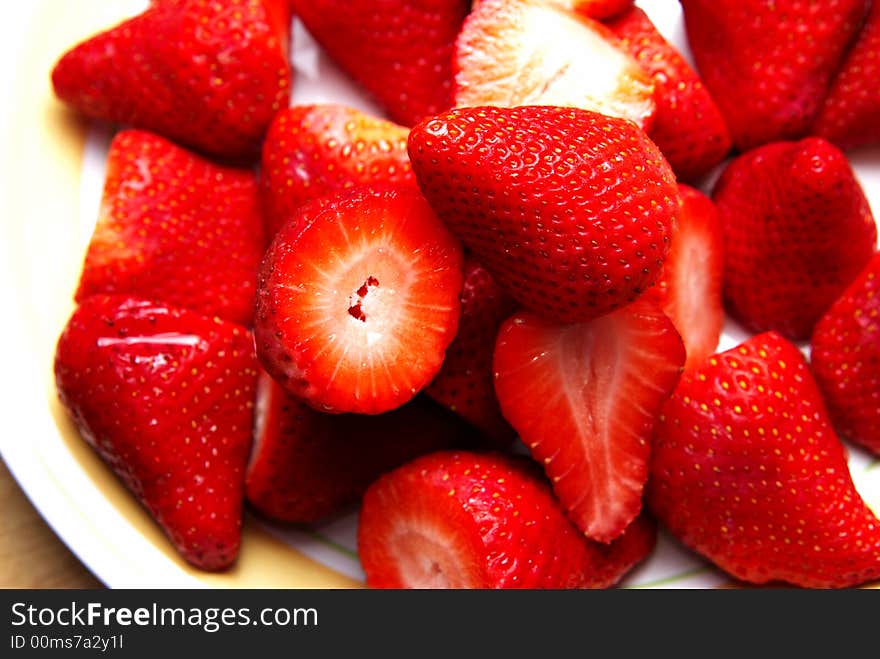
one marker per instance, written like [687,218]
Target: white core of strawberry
[266,389]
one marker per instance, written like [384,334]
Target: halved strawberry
[166,397]
[175,227]
[689,288]
[532,52]
[465,384]
[465,520]
[584,399]
[358,300]
[306,465]
[312,150]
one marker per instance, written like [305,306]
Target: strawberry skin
[306,466]
[797,230]
[768,63]
[584,399]
[570,211]
[207,74]
[465,382]
[688,126]
[175,227]
[850,116]
[165,396]
[845,356]
[313,150]
[534,52]
[399,51]
[357,300]
[747,471]
[689,289]
[466,520]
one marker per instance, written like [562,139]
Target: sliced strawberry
[584,399]
[747,471]
[688,127]
[689,290]
[175,227]
[533,52]
[465,520]
[166,397]
[312,150]
[850,116]
[358,300]
[845,356]
[465,383]
[399,51]
[206,74]
[306,466]
[569,210]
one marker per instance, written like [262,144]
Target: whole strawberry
[768,63]
[850,116]
[797,230]
[206,74]
[175,227]
[845,357]
[399,51]
[569,210]
[312,150]
[747,471]
[466,520]
[465,384]
[166,397]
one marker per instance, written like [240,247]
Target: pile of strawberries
[379,310]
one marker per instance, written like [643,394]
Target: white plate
[53,171]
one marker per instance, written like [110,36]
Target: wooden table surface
[31,555]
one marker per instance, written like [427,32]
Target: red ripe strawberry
[358,300]
[313,150]
[465,520]
[306,465]
[850,116]
[797,230]
[569,210]
[207,74]
[768,63]
[689,289]
[584,399]
[400,52]
[688,126]
[166,396]
[175,227]
[747,471]
[465,383]
[598,9]
[534,52]
[845,356]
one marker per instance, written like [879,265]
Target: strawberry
[465,520]
[306,465]
[688,126]
[465,382]
[689,289]
[786,208]
[598,9]
[845,355]
[569,210]
[312,150]
[166,396]
[400,52]
[204,73]
[535,52]
[768,63]
[357,300]
[584,399]
[850,116]
[175,227]
[747,471]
